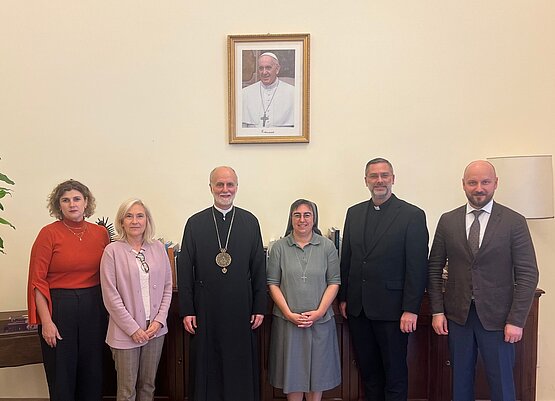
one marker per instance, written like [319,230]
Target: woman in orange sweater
[64,296]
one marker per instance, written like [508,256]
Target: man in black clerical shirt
[222,295]
[383,276]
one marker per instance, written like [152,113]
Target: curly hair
[62,188]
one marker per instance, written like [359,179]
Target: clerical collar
[271,86]
[383,206]
[222,211]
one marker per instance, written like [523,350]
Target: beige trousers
[136,370]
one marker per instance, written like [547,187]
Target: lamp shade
[525,184]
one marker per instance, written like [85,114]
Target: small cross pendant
[304,277]
[264,119]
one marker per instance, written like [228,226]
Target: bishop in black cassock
[224,362]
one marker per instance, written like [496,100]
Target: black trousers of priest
[381,355]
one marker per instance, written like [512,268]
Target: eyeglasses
[144,265]
[298,215]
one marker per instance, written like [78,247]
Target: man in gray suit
[492,277]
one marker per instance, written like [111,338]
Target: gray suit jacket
[502,277]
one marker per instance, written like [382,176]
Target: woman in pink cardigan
[136,282]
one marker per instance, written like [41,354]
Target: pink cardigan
[121,291]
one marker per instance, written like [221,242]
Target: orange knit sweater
[59,259]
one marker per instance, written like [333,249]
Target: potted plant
[3,192]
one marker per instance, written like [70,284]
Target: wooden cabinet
[428,360]
[18,346]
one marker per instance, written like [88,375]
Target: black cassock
[224,362]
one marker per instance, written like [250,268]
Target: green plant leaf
[3,192]
[4,177]
[3,221]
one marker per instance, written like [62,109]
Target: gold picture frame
[269,88]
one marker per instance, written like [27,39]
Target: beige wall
[131,98]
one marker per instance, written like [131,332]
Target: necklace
[265,118]
[223,259]
[77,234]
[303,271]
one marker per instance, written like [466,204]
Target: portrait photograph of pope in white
[270,101]
[269,88]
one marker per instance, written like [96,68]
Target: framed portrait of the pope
[269,85]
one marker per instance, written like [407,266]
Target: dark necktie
[474,233]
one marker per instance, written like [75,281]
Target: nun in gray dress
[303,278]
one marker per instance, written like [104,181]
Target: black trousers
[74,367]
[381,355]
